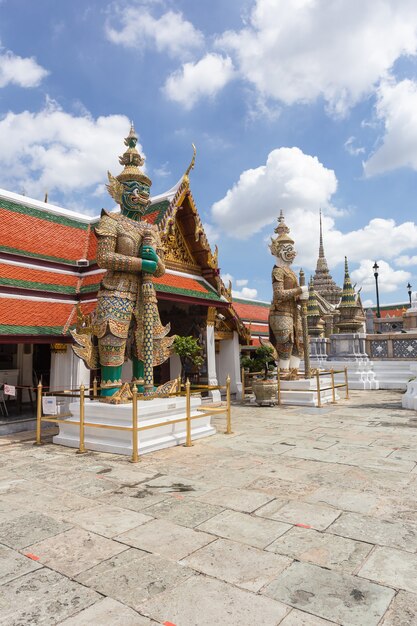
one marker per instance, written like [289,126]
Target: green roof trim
[208,295]
[266,305]
[6,329]
[35,255]
[90,288]
[43,215]
[28,284]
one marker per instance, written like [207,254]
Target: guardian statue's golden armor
[126,323]
[285,326]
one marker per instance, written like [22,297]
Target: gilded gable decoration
[176,249]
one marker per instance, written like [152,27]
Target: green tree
[189,351]
[264,359]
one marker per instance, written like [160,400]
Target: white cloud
[302,50]
[25,72]
[350,147]
[163,171]
[169,33]
[198,80]
[405,260]
[245,291]
[378,236]
[212,233]
[299,184]
[56,151]
[397,108]
[367,303]
[226,278]
[389,279]
[289,180]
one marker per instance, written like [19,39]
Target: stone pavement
[302,517]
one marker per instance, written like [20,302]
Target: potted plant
[189,351]
[265,387]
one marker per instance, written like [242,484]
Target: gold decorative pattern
[211,315]
[176,248]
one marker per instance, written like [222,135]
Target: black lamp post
[375,267]
[409,288]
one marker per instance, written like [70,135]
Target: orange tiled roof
[36,233]
[24,277]
[251,311]
[36,317]
[257,328]
[397,312]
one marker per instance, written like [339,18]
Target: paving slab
[133,498]
[402,610]
[27,529]
[280,488]
[299,618]
[243,566]
[108,611]
[74,551]
[219,604]
[254,531]
[91,487]
[174,484]
[313,515]
[391,567]
[338,597]
[107,521]
[242,500]
[161,536]
[13,565]
[133,577]
[42,597]
[330,551]
[185,512]
[351,500]
[377,531]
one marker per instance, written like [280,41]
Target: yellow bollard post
[81,449]
[347,384]
[135,456]
[318,389]
[279,384]
[38,441]
[243,384]
[94,388]
[188,442]
[228,408]
[333,389]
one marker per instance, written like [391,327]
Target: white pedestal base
[158,410]
[304,392]
[409,399]
[360,373]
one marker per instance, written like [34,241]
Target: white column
[229,364]
[25,367]
[211,362]
[61,369]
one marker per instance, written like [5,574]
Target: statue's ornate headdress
[283,237]
[132,162]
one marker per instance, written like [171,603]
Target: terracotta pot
[265,392]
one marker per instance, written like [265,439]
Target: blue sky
[292,105]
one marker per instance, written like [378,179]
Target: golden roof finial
[186,178]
